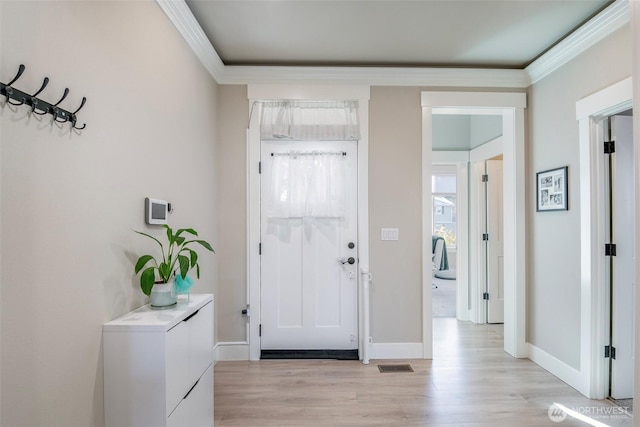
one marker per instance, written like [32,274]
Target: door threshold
[310,354]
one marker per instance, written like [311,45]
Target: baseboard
[411,350]
[231,351]
[557,367]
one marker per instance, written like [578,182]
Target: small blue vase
[183,286]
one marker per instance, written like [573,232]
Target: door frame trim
[257,92]
[589,113]
[512,106]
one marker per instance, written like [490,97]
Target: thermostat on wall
[156,211]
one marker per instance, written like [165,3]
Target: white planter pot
[163,295]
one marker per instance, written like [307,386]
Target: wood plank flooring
[471,382]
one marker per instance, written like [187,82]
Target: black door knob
[351,260]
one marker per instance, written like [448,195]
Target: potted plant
[177,258]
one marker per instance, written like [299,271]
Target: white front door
[495,244]
[309,264]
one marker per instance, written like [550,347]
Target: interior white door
[623,232]
[309,280]
[495,244]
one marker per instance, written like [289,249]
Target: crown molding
[377,76]
[603,24]
[600,26]
[184,21]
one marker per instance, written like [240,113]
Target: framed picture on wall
[552,190]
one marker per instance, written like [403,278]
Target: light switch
[389,234]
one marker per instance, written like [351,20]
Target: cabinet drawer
[196,409]
[189,346]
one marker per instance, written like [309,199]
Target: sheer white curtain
[309,184]
[309,120]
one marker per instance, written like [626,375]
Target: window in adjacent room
[443,188]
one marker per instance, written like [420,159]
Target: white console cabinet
[158,369]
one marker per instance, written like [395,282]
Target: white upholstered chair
[437,255]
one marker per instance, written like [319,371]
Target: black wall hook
[20,71]
[12,93]
[8,91]
[35,101]
[53,110]
[39,106]
[84,99]
[74,119]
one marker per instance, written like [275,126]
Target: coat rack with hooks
[39,106]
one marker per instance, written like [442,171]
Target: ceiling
[506,34]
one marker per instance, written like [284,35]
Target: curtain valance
[309,120]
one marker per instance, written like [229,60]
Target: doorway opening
[592,115]
[511,107]
[473,178]
[444,240]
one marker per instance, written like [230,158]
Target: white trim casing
[605,23]
[255,93]
[611,100]
[376,76]
[462,250]
[589,113]
[427,220]
[513,156]
[512,108]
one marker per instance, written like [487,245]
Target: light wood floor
[471,382]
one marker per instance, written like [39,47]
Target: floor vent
[394,368]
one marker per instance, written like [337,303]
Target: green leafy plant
[178,257]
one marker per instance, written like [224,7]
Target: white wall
[554,237]
[232,206]
[69,202]
[395,200]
